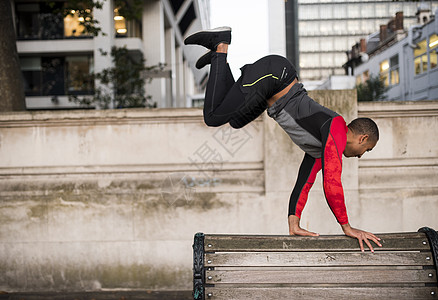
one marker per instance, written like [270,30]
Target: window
[307,12]
[389,71]
[394,70]
[44,21]
[326,27]
[308,27]
[354,11]
[309,44]
[327,60]
[433,45]
[340,27]
[72,26]
[381,10]
[119,24]
[384,72]
[420,57]
[78,70]
[28,21]
[49,76]
[31,70]
[353,26]
[326,11]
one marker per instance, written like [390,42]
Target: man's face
[358,146]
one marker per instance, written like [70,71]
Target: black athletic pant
[243,101]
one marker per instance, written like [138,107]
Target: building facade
[406,60]
[55,53]
[327,29]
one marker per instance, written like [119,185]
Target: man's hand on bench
[295,229]
[362,236]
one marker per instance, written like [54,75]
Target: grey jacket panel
[307,142]
[302,118]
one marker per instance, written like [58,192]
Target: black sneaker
[210,38]
[204,60]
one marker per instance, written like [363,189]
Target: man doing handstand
[271,83]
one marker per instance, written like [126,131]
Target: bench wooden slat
[265,259]
[299,276]
[243,243]
[303,293]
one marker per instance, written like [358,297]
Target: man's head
[362,136]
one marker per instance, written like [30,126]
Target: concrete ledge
[104,295]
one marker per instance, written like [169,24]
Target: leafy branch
[373,89]
[122,85]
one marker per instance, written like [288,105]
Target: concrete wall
[94,200]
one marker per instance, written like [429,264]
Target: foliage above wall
[373,89]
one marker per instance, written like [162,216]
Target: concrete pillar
[170,62]
[179,72]
[153,39]
[104,43]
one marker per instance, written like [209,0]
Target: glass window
[381,10]
[394,70]
[308,27]
[53,76]
[328,44]
[421,48]
[384,72]
[326,11]
[340,11]
[420,57]
[433,45]
[353,26]
[309,44]
[309,60]
[367,10]
[306,12]
[368,26]
[327,60]
[119,24]
[340,27]
[31,70]
[354,11]
[326,27]
[341,44]
[28,21]
[389,71]
[72,25]
[78,70]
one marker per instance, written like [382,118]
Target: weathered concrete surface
[98,200]
[398,180]
[115,295]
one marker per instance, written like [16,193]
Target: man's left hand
[362,236]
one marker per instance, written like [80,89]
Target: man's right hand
[295,229]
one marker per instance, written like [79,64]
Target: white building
[406,60]
[50,47]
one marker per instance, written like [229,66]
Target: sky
[249,36]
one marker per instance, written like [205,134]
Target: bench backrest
[325,267]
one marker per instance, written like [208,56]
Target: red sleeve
[332,168]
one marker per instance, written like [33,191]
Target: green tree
[123,84]
[373,89]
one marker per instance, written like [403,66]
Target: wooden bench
[325,267]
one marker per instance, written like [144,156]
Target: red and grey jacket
[322,135]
